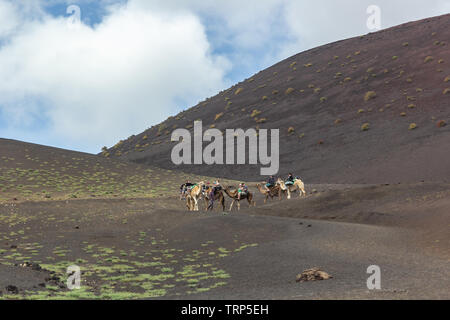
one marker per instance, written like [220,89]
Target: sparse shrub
[403,114]
[370,95]
[293,64]
[348,79]
[275,92]
[412,126]
[357,53]
[311,86]
[370,70]
[212,126]
[308,65]
[447,79]
[409,80]
[411,98]
[265,98]
[365,127]
[395,58]
[405,44]
[419,90]
[145,137]
[428,59]
[317,90]
[262,120]
[338,74]
[441,61]
[255,113]
[320,142]
[104,149]
[361,111]
[441,124]
[337,121]
[446,91]
[218,116]
[323,99]
[239,90]
[291,130]
[411,106]
[290,90]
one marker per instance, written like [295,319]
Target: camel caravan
[193,193]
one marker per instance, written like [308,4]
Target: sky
[85,74]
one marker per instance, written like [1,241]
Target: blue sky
[129,64]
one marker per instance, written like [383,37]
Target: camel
[234,195]
[274,191]
[193,196]
[218,196]
[298,185]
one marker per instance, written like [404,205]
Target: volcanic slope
[370,109]
[34,172]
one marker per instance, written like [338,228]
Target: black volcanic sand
[151,248]
[317,101]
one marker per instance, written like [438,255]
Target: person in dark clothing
[290,179]
[270,183]
[184,187]
[217,187]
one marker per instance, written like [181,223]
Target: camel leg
[195,204]
[188,204]
[231,207]
[223,203]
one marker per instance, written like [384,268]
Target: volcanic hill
[370,109]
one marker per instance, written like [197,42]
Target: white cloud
[99,85]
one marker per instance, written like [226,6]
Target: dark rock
[12,289]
